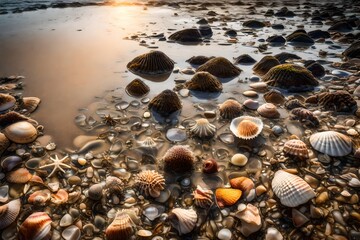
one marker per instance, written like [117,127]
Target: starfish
[57,164]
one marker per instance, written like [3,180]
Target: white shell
[9,212]
[203,129]
[21,132]
[291,189]
[184,220]
[250,219]
[331,143]
[236,121]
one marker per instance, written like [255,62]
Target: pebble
[144,233]
[224,234]
[239,159]
[99,222]
[322,198]
[251,104]
[66,220]
[258,85]
[74,180]
[95,192]
[352,132]
[277,130]
[82,161]
[273,234]
[250,93]
[71,233]
[254,78]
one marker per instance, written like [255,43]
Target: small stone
[74,180]
[352,132]
[273,234]
[250,93]
[209,114]
[277,130]
[224,234]
[66,220]
[147,114]
[82,161]
[239,159]
[95,192]
[322,198]
[350,122]
[144,233]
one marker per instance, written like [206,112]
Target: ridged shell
[204,82]
[203,129]
[300,37]
[9,212]
[150,183]
[184,220]
[39,197]
[290,77]
[338,101]
[291,189]
[179,159]
[203,197]
[35,227]
[220,67]
[21,132]
[4,143]
[61,197]
[10,118]
[121,228]
[21,175]
[29,104]
[296,148]
[245,59]
[227,196]
[230,109]
[303,114]
[243,183]
[114,185]
[198,60]
[166,103]
[6,101]
[186,35]
[274,96]
[265,64]
[353,51]
[268,110]
[210,166]
[152,63]
[246,127]
[293,103]
[137,88]
[331,143]
[284,56]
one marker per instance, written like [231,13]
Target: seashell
[332,143]
[246,127]
[291,189]
[265,64]
[338,101]
[239,159]
[297,148]
[250,219]
[179,159]
[220,67]
[6,102]
[60,197]
[120,228]
[291,77]
[268,110]
[203,197]
[166,103]
[36,180]
[353,51]
[245,59]
[72,232]
[198,60]
[274,96]
[251,104]
[203,129]
[293,103]
[148,142]
[186,35]
[230,109]
[152,63]
[95,192]
[39,197]
[273,234]
[35,227]
[184,220]
[150,183]
[10,118]
[210,166]
[21,175]
[4,194]
[227,196]
[253,24]
[4,144]
[305,115]
[10,162]
[300,38]
[114,185]
[29,104]
[9,212]
[204,82]
[283,57]
[137,88]
[21,132]
[243,183]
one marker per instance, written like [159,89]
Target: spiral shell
[210,166]
[150,183]
[184,220]
[265,64]
[268,110]
[243,183]
[246,127]
[21,175]
[9,212]
[331,143]
[220,67]
[203,197]
[21,132]
[114,185]
[203,129]
[35,227]
[230,109]
[291,189]
[296,148]
[179,159]
[204,82]
[186,35]
[274,96]
[166,103]
[227,196]
[6,101]
[121,228]
[137,88]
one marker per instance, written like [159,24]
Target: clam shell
[268,110]
[166,103]
[21,175]
[220,67]
[39,197]
[204,82]
[6,101]
[184,220]
[9,212]
[338,101]
[203,197]
[303,114]
[274,96]
[246,127]
[227,196]
[60,197]
[21,132]
[296,148]
[331,143]
[265,64]
[230,109]
[243,183]
[179,159]
[239,159]
[137,88]
[10,118]
[203,129]
[186,35]
[120,228]
[29,104]
[291,189]
[35,227]
[10,162]
[150,183]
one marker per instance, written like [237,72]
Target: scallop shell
[243,183]
[21,132]
[184,220]
[210,166]
[203,129]
[179,159]
[246,127]
[166,103]
[296,148]
[198,60]
[60,197]
[230,109]
[265,64]
[120,228]
[6,101]
[9,212]
[331,143]
[39,197]
[283,57]
[204,82]
[227,196]
[268,110]
[203,197]
[338,101]
[4,143]
[29,104]
[274,96]
[35,227]
[186,35]
[291,189]
[137,88]
[150,183]
[21,175]
[152,63]
[303,114]
[220,67]
[10,118]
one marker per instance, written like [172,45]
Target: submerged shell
[210,166]
[265,64]
[179,159]
[150,183]
[35,227]
[186,35]
[230,109]
[166,103]
[331,143]
[198,60]
[21,132]
[9,212]
[6,101]
[291,189]
[203,197]
[152,63]
[274,96]
[121,228]
[297,148]
[205,82]
[203,129]
[268,110]
[220,67]
[29,104]
[246,127]
[184,220]
[243,183]
[21,175]
[227,196]
[137,88]
[338,101]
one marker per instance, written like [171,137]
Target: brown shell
[274,96]
[21,132]
[137,88]
[29,104]
[338,101]
[284,56]
[39,197]
[60,197]
[166,103]
[21,175]
[265,64]
[150,183]
[293,103]
[297,148]
[186,35]
[10,118]
[230,109]
[4,143]
[305,115]
[205,82]
[243,183]
[9,212]
[227,196]
[35,226]
[179,159]
[353,51]
[300,37]
[120,228]
[210,166]
[152,63]
[220,67]
[203,197]
[6,101]
[268,110]
[198,60]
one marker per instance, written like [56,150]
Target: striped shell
[137,88]
[21,132]
[220,67]
[293,103]
[204,82]
[246,127]
[150,183]
[184,220]
[35,227]
[166,103]
[121,228]
[20,175]
[274,96]
[291,189]
[338,101]
[198,60]
[203,197]
[39,197]
[296,148]
[179,159]
[284,56]
[305,115]
[243,183]
[230,109]
[152,63]
[268,110]
[227,196]
[9,212]
[6,101]
[331,143]
[29,104]
[265,64]
[186,35]
[60,197]
[203,129]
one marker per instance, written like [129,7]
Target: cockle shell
[203,129]
[186,35]
[9,212]
[165,103]
[227,196]
[6,101]
[20,175]
[137,88]
[184,220]
[203,197]
[150,183]
[204,82]
[246,127]
[243,183]
[297,148]
[274,96]
[21,132]
[268,110]
[265,64]
[338,101]
[60,197]
[198,60]
[291,189]
[29,104]
[179,159]
[121,228]
[283,57]
[220,67]
[39,197]
[210,166]
[293,103]
[230,109]
[35,227]
[331,143]
[250,219]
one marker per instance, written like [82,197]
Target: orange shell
[243,183]
[227,196]
[21,175]
[247,128]
[35,226]
[60,197]
[39,197]
[36,180]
